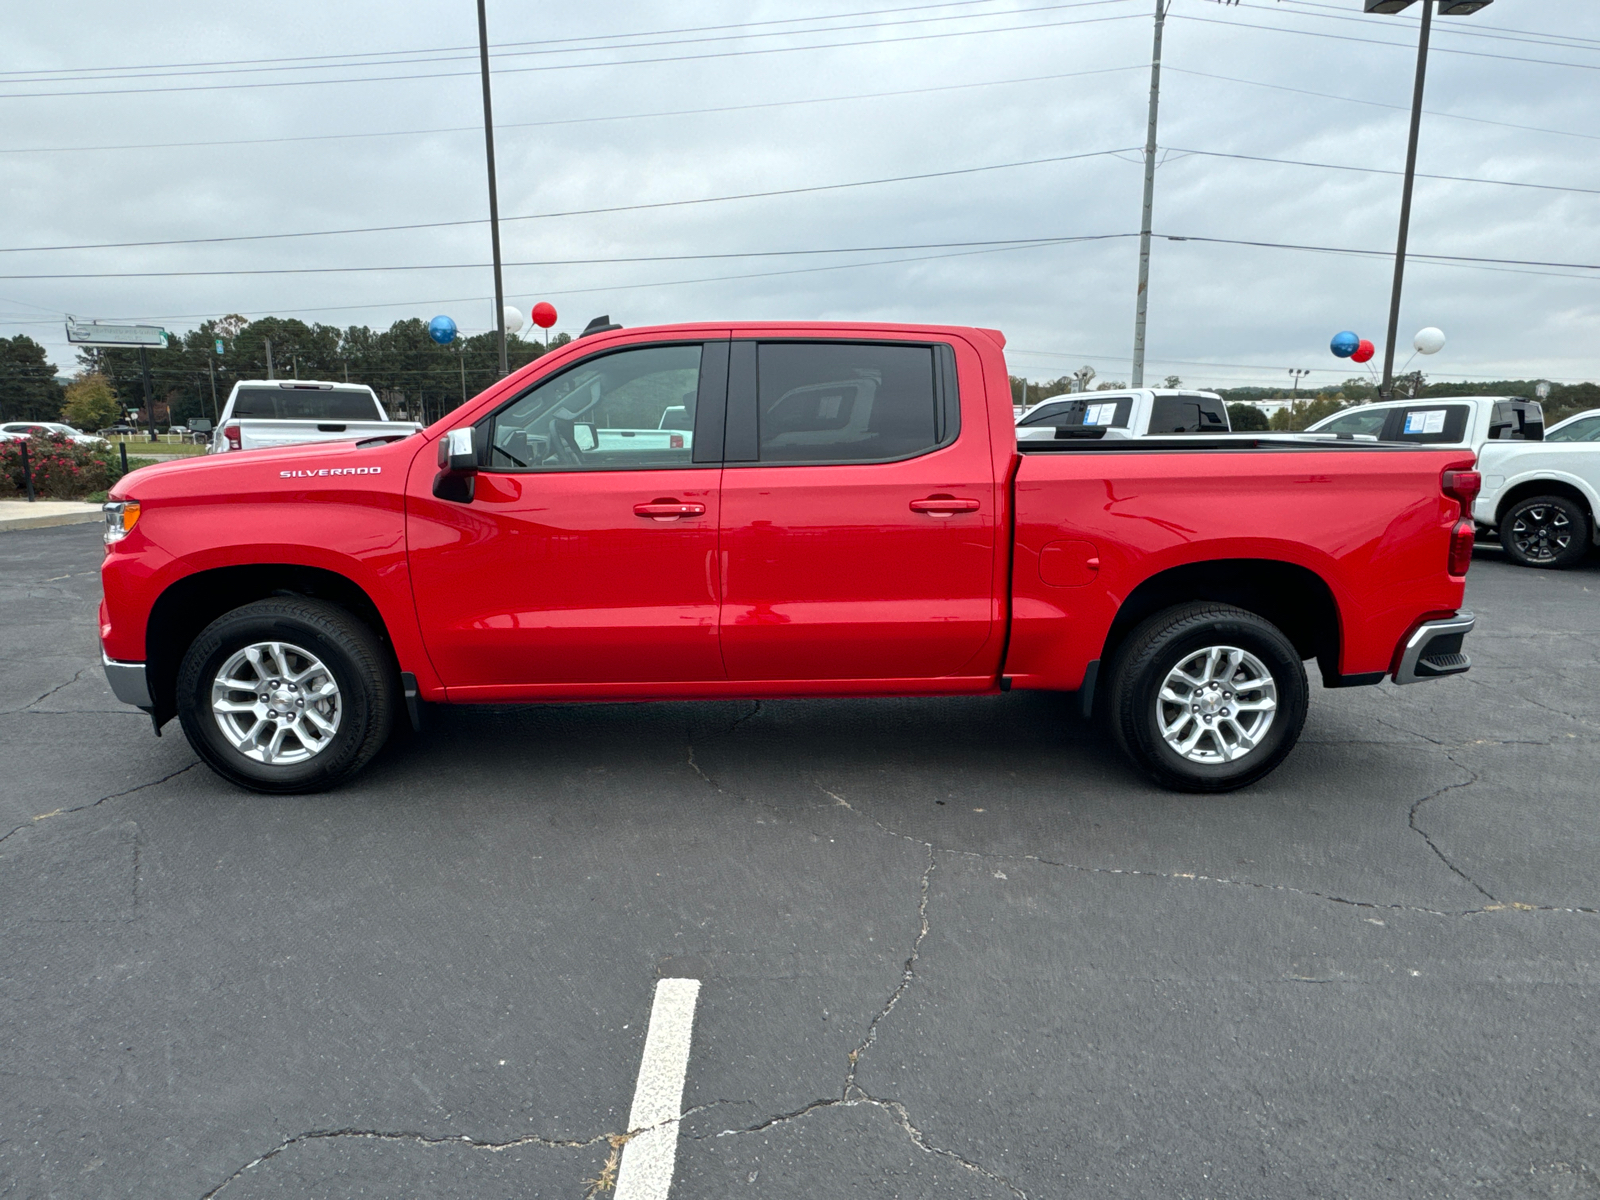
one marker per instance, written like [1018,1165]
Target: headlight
[121,516]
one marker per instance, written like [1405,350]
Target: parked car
[120,430]
[854,517]
[295,412]
[28,428]
[1540,492]
[1582,427]
[1141,412]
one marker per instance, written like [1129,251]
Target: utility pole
[211,362]
[268,341]
[494,202]
[463,356]
[1149,196]
[1386,389]
[149,395]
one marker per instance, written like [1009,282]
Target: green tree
[1301,413]
[91,403]
[28,387]
[1173,382]
[1246,418]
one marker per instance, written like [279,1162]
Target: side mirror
[456,452]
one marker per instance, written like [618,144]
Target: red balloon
[1364,351]
[544,315]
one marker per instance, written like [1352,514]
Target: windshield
[1586,429]
[305,404]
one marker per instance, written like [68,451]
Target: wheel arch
[189,604]
[1545,486]
[1293,597]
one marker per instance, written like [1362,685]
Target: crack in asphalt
[63,812]
[901,1117]
[616,1141]
[11,712]
[1411,819]
[907,975]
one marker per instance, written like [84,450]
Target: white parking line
[651,1154]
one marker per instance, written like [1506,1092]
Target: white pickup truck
[293,412]
[1540,495]
[1140,412]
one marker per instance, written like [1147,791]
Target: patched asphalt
[947,947]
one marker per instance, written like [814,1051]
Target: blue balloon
[1344,344]
[443,330]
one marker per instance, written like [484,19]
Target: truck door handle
[668,510]
[944,506]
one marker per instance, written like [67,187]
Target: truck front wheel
[1207,697]
[286,695]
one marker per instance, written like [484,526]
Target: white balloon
[514,321]
[1428,341]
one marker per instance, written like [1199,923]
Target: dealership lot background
[946,947]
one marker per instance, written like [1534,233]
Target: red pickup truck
[776,510]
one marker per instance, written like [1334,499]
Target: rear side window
[1188,414]
[841,402]
[304,404]
[1586,430]
[1513,420]
[1112,414]
[1426,424]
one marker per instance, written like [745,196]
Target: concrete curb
[55,513]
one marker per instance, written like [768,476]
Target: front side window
[1586,430]
[1361,421]
[846,402]
[631,410]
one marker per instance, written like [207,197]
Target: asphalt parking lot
[946,947]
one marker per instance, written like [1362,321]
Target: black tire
[1545,531]
[368,695]
[1164,642]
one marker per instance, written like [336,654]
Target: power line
[369,54]
[1410,254]
[1295,162]
[561,262]
[682,112]
[1279,87]
[919,37]
[1497,33]
[582,212]
[541,49]
[1340,37]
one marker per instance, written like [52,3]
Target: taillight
[1463,486]
[1461,547]
[234,438]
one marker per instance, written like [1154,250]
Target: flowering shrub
[62,469]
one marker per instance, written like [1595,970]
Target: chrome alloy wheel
[1541,532]
[1216,705]
[276,704]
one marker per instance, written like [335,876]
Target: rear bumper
[1434,650]
[127,680]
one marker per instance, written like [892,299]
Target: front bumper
[1434,650]
[128,683]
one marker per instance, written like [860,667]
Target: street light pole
[1149,197]
[1386,389]
[494,202]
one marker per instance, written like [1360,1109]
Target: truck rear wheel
[286,695]
[1207,697]
[1545,531]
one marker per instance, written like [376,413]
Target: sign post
[123,337]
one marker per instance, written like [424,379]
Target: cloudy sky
[1023,118]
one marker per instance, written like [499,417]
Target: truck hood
[212,473]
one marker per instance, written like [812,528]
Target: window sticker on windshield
[1430,421]
[1100,414]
